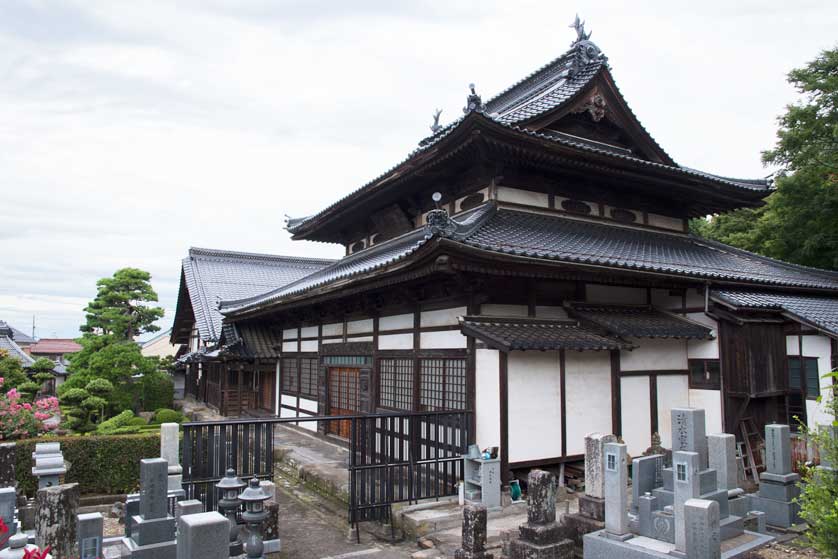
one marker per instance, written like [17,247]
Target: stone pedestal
[474,533]
[55,519]
[203,536]
[541,537]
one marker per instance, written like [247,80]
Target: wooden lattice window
[343,390]
[308,377]
[396,384]
[442,384]
[705,374]
[289,374]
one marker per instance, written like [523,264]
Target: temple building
[530,263]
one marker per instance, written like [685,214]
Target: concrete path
[313,459]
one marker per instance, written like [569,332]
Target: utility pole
[33,326]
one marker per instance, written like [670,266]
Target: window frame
[804,380]
[704,384]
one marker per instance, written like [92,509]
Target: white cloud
[130,131]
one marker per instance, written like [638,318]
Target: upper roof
[62,346]
[560,239]
[581,75]
[21,338]
[817,311]
[209,276]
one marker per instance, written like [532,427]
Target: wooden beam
[616,398]
[503,383]
[563,398]
[653,403]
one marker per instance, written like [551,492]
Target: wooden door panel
[344,398]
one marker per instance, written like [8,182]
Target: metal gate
[393,457]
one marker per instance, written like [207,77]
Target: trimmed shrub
[118,424]
[164,415]
[137,422]
[99,464]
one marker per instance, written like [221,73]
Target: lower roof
[521,334]
[639,321]
[820,312]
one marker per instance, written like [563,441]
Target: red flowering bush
[24,420]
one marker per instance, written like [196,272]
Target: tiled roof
[819,311]
[582,242]
[54,346]
[509,334]
[215,275]
[21,338]
[15,351]
[639,321]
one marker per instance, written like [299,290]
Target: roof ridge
[830,274]
[232,254]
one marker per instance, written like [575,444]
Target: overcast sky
[130,131]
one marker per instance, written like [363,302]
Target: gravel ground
[787,550]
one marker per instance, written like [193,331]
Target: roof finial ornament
[435,127]
[579,26]
[474,102]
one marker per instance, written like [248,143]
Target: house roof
[817,311]
[511,334]
[46,346]
[561,239]
[15,351]
[557,86]
[638,321]
[209,276]
[21,338]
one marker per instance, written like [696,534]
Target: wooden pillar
[616,396]
[653,403]
[503,385]
[563,398]
[240,369]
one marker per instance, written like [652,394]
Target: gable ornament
[473,102]
[596,107]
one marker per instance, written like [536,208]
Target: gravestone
[55,519]
[778,487]
[192,506]
[777,449]
[8,459]
[541,537]
[132,509]
[646,475]
[90,530]
[170,452]
[686,486]
[8,497]
[688,433]
[703,536]
[616,490]
[474,533]
[153,530]
[203,536]
[592,503]
[721,449]
[646,506]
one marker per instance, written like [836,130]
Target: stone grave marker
[703,536]
[645,476]
[777,449]
[541,536]
[688,433]
[721,448]
[90,534]
[55,519]
[192,506]
[474,533]
[153,530]
[170,452]
[616,489]
[8,497]
[685,467]
[594,464]
[203,536]
[778,487]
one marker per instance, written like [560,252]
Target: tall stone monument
[541,537]
[170,452]
[778,487]
[688,433]
[686,482]
[721,448]
[616,491]
[153,530]
[55,519]
[592,503]
[474,533]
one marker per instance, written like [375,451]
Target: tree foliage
[120,308]
[799,222]
[11,371]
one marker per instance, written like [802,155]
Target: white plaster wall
[289,347]
[395,341]
[588,385]
[289,334]
[487,398]
[308,332]
[442,340]
[819,346]
[666,222]
[661,298]
[504,310]
[551,312]
[792,347]
[359,326]
[524,197]
[335,341]
[711,402]
[309,345]
[395,322]
[309,405]
[673,392]
[442,317]
[283,412]
[535,416]
[360,339]
[597,293]
[636,417]
[333,329]
[704,349]
[289,400]
[654,355]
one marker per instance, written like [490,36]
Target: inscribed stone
[616,488]
[90,533]
[721,450]
[703,536]
[153,488]
[777,449]
[688,433]
[594,465]
[686,485]
[644,476]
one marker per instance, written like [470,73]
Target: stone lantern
[230,487]
[254,498]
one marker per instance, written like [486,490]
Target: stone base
[542,534]
[577,525]
[157,530]
[598,546]
[271,546]
[779,491]
[463,554]
[520,549]
[592,507]
[779,478]
[781,514]
[731,527]
[165,550]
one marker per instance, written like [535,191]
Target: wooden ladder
[752,442]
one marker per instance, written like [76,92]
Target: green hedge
[100,464]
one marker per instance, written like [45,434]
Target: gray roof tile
[509,334]
[817,310]
[639,321]
[15,351]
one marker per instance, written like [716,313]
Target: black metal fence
[393,457]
